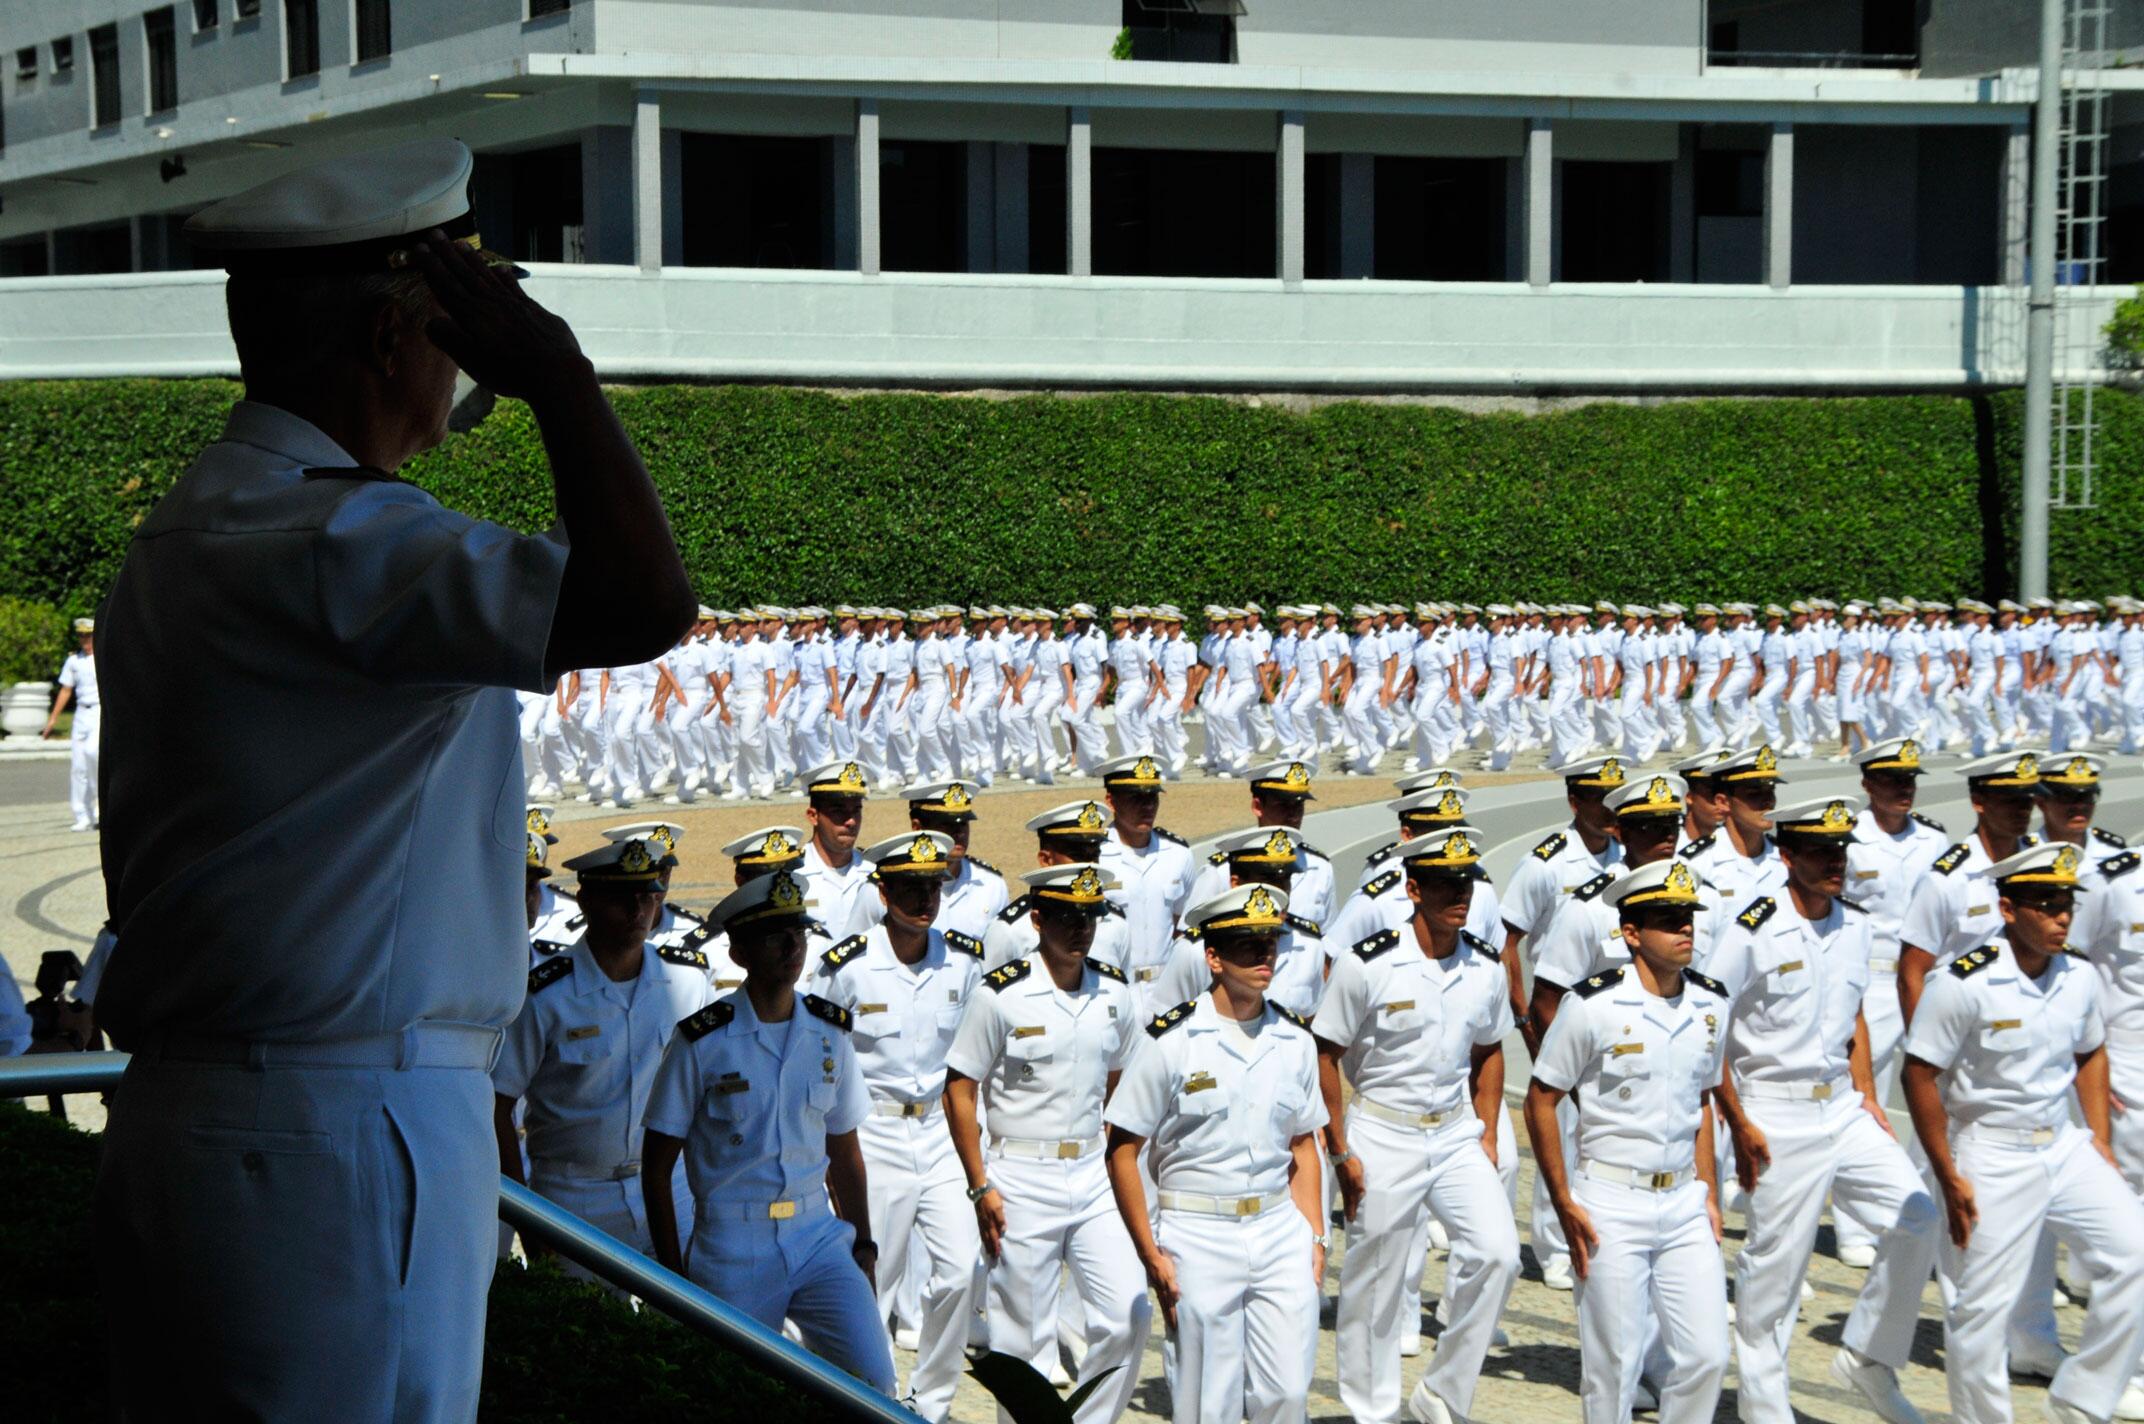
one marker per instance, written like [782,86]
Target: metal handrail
[543,1224]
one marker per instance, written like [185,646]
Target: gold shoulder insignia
[1008,975]
[544,975]
[1014,912]
[549,946]
[707,1020]
[1107,970]
[965,944]
[701,935]
[1757,912]
[1291,1016]
[843,952]
[1219,857]
[682,954]
[1306,926]
[1951,859]
[1705,982]
[1164,1022]
[1606,979]
[1376,944]
[1592,888]
[827,1009]
[1552,847]
[1481,946]
[1974,960]
[2115,865]
[1930,822]
[1382,883]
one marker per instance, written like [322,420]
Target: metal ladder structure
[2080,223]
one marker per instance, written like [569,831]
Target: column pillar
[1288,190]
[980,174]
[1010,194]
[1079,192]
[867,216]
[2016,203]
[1779,207]
[1682,208]
[647,181]
[1540,201]
[1358,215]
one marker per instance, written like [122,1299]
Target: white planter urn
[24,707]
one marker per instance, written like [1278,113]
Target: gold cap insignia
[776,844]
[1458,847]
[1767,759]
[1090,817]
[1261,905]
[539,823]
[1280,844]
[1659,793]
[1909,754]
[1297,777]
[785,893]
[634,859]
[2079,770]
[923,850]
[1680,881]
[1836,817]
[2028,767]
[2066,861]
[1611,772]
[956,798]
[851,778]
[1087,884]
[662,837]
[1147,770]
[535,852]
[1449,804]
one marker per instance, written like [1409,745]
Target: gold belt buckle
[1249,1206]
[913,1109]
[1821,1092]
[781,1210]
[1661,1181]
[1069,1151]
[2041,1136]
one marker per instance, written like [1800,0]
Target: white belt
[1411,1119]
[1202,1205]
[804,1204]
[1063,1149]
[584,1171]
[1796,1092]
[1631,1177]
[1147,975]
[429,1043]
[2011,1136]
[893,1107]
[1884,966]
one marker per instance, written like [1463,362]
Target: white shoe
[1860,1255]
[907,1338]
[1875,1382]
[1411,1344]
[1058,1378]
[1424,1407]
[2131,1404]
[1556,1273]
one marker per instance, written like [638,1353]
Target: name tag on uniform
[1622,1050]
[1979,909]
[1789,967]
[731,1085]
[1199,1083]
[870,1008]
[1866,874]
[1029,1031]
[2001,1024]
[2137,928]
[952,996]
[1398,1006]
[575,1035]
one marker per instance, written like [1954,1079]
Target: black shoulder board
[1194,933]
[965,944]
[814,930]
[843,952]
[1013,912]
[2108,838]
[1219,857]
[1291,1016]
[1109,909]
[1382,853]
[549,946]
[1757,912]
[1849,904]
[576,922]
[1951,859]
[544,975]
[1376,944]
[986,865]
[1699,846]
[1306,926]
[1107,970]
[707,1020]
[1306,848]
[2115,865]
[1931,822]
[350,472]
[1382,883]
[1705,982]
[1009,975]
[1164,1022]
[1170,836]
[1552,847]
[1481,946]
[682,954]
[701,935]
[827,1009]
[687,915]
[1974,960]
[1593,887]
[1606,979]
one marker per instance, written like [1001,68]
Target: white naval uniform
[1953,907]
[754,1104]
[583,1052]
[363,757]
[1310,891]
[1220,1116]
[970,902]
[1300,967]
[836,892]
[1380,902]
[79,675]
[1152,887]
[2109,931]
[1042,1060]
[1796,986]
[2006,1046]
[1641,1066]
[1731,880]
[1013,936]
[905,1016]
[1409,1025]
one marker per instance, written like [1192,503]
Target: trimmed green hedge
[790,495]
[556,1351]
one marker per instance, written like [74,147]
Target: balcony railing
[1807,59]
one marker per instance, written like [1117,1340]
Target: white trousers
[1083,724]
[752,774]
[1801,710]
[82,754]
[1409,1175]
[1135,734]
[1246,1337]
[934,743]
[978,729]
[2069,1188]
[1816,1147]
[802,1269]
[1703,714]
[619,1208]
[1166,727]
[1657,1265]
[919,1197]
[1049,733]
[1851,1223]
[1228,723]
[1496,712]
[1764,705]
[1360,730]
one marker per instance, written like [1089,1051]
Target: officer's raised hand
[494,330]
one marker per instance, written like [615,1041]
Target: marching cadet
[1380,902]
[1071,834]
[2109,931]
[1417,1018]
[1225,1088]
[1279,791]
[1953,907]
[2067,794]
[1585,937]
[761,852]
[1043,1050]
[1302,960]
[674,923]
[762,1094]
[975,890]
[1704,799]
[1739,861]
[78,684]
[1152,868]
[555,913]
[905,984]
[1640,1047]
[1892,848]
[1995,1048]
[1800,1101]
[583,1051]
[834,809]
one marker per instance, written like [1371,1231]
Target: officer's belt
[1411,1119]
[1200,1204]
[1632,1177]
[583,1171]
[809,1200]
[1795,1092]
[1065,1149]
[431,1043]
[1883,966]
[894,1107]
[2008,1136]
[1147,975]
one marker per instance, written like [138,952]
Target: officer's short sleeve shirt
[2007,1044]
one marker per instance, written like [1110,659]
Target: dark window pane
[751,201]
[375,30]
[1164,29]
[161,28]
[1730,185]
[548,7]
[923,206]
[205,14]
[1615,222]
[104,74]
[24,259]
[248,9]
[1440,219]
[1173,213]
[1046,208]
[301,37]
[62,55]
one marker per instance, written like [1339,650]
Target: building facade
[1472,195]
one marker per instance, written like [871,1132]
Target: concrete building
[1346,194]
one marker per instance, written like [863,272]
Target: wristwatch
[976,1194]
[1322,1242]
[1336,1158]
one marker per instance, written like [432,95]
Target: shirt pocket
[1202,1103]
[2005,1037]
[1625,1075]
[879,1022]
[585,1052]
[819,1100]
[1033,1048]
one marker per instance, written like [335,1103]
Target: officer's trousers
[1135,734]
[617,1207]
[1704,714]
[1641,737]
[919,1196]
[1668,714]
[2132,710]
[1436,728]
[802,1269]
[1360,732]
[1764,705]
[1569,724]
[82,753]
[753,772]
[1834,1146]
[1060,1214]
[978,731]
[1228,722]
[2068,1187]
[1852,1223]
[1308,708]
[299,1243]
[934,750]
[1049,749]
[1657,1266]
[1166,727]
[1246,1337]
[1082,717]
[1801,711]
[2070,731]
[1411,1174]
[1496,715]
[811,737]
[1737,727]
[1979,717]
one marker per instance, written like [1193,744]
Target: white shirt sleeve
[1923,926]
[853,1103]
[978,1041]
[1142,1095]
[675,1097]
[1941,1022]
[1565,957]
[1347,997]
[520,1053]
[1732,961]
[1565,1051]
[1313,1115]
[1184,975]
[1496,1025]
[2092,1027]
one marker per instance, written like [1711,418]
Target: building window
[1186,31]
[26,63]
[161,28]
[247,9]
[540,8]
[104,74]
[62,55]
[1183,213]
[760,202]
[375,30]
[923,206]
[205,15]
[301,38]
[1615,222]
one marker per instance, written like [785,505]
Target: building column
[647,181]
[1288,190]
[1682,207]
[1079,192]
[2016,206]
[1540,201]
[867,214]
[1358,215]
[1010,193]
[1779,207]
[979,172]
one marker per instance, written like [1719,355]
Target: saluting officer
[1043,1050]
[1070,834]
[975,890]
[906,984]
[1226,1089]
[1152,868]
[1800,1100]
[1641,1046]
[584,1050]
[1279,793]
[762,1094]
[1416,1017]
[1996,1046]
[1303,959]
